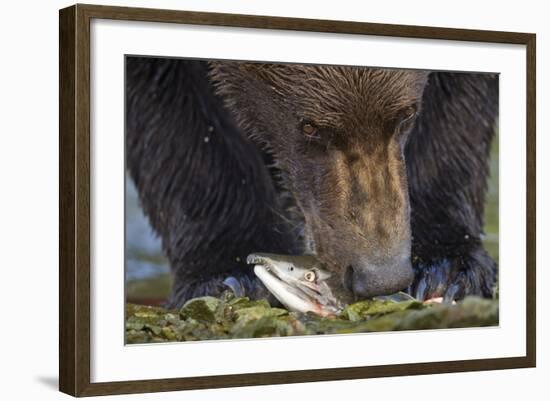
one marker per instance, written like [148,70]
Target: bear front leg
[447,157]
[455,277]
[241,282]
[202,183]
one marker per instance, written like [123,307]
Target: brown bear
[380,173]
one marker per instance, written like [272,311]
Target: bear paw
[455,278]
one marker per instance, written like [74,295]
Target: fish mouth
[282,278]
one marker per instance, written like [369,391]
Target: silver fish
[300,283]
[303,284]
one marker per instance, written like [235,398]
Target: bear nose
[368,280]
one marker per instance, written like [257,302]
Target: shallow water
[147,270]
[144,257]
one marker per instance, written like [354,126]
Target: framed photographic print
[265,187]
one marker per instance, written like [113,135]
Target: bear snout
[366,279]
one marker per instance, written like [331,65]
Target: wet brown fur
[335,173]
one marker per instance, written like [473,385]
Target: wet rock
[209,318]
[369,308]
[202,309]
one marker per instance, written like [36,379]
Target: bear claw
[234,285]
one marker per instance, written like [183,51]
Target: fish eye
[309,276]
[291,268]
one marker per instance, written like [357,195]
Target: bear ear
[240,69]
[270,74]
[252,68]
[233,72]
[238,75]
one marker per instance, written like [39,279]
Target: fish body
[300,283]
[303,284]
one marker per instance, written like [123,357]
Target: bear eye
[406,120]
[309,130]
[408,114]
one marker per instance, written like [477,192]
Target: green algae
[228,317]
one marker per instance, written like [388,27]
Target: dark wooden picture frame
[74,203]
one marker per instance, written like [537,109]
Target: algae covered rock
[209,318]
[202,309]
[364,309]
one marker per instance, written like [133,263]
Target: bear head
[337,134]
